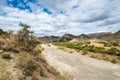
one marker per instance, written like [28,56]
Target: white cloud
[79,16]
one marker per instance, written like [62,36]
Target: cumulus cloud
[56,17]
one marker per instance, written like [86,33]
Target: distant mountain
[99,35]
[113,37]
[108,36]
[67,37]
[50,38]
[118,32]
[83,36]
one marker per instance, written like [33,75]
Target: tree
[25,37]
[2,32]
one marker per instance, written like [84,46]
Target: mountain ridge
[109,36]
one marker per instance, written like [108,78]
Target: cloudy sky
[56,17]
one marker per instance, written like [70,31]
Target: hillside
[113,37]
[99,35]
[21,59]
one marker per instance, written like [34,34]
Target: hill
[21,59]
[108,36]
[99,35]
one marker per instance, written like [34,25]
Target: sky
[57,17]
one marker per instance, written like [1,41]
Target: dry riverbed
[79,67]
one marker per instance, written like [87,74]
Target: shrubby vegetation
[24,39]
[109,44]
[85,47]
[6,56]
[114,61]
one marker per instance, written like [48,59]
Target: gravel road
[79,66]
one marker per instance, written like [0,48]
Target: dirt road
[81,67]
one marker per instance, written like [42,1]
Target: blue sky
[57,17]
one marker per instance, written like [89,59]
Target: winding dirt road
[81,67]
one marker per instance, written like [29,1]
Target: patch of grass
[68,76]
[84,52]
[103,55]
[93,56]
[27,65]
[5,76]
[114,61]
[42,73]
[22,60]
[71,52]
[34,78]
[106,58]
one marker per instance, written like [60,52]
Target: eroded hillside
[21,59]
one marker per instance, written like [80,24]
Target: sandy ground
[79,66]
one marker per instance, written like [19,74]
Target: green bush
[93,56]
[111,51]
[114,61]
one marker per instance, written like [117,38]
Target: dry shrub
[6,56]
[8,43]
[27,65]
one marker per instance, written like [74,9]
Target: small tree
[25,37]
[2,32]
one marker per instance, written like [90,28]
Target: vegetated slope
[81,67]
[20,58]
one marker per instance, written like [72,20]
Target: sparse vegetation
[84,52]
[28,62]
[93,51]
[71,52]
[25,38]
[6,56]
[114,61]
[5,76]
[93,56]
[34,78]
[85,47]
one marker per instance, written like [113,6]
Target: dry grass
[27,65]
